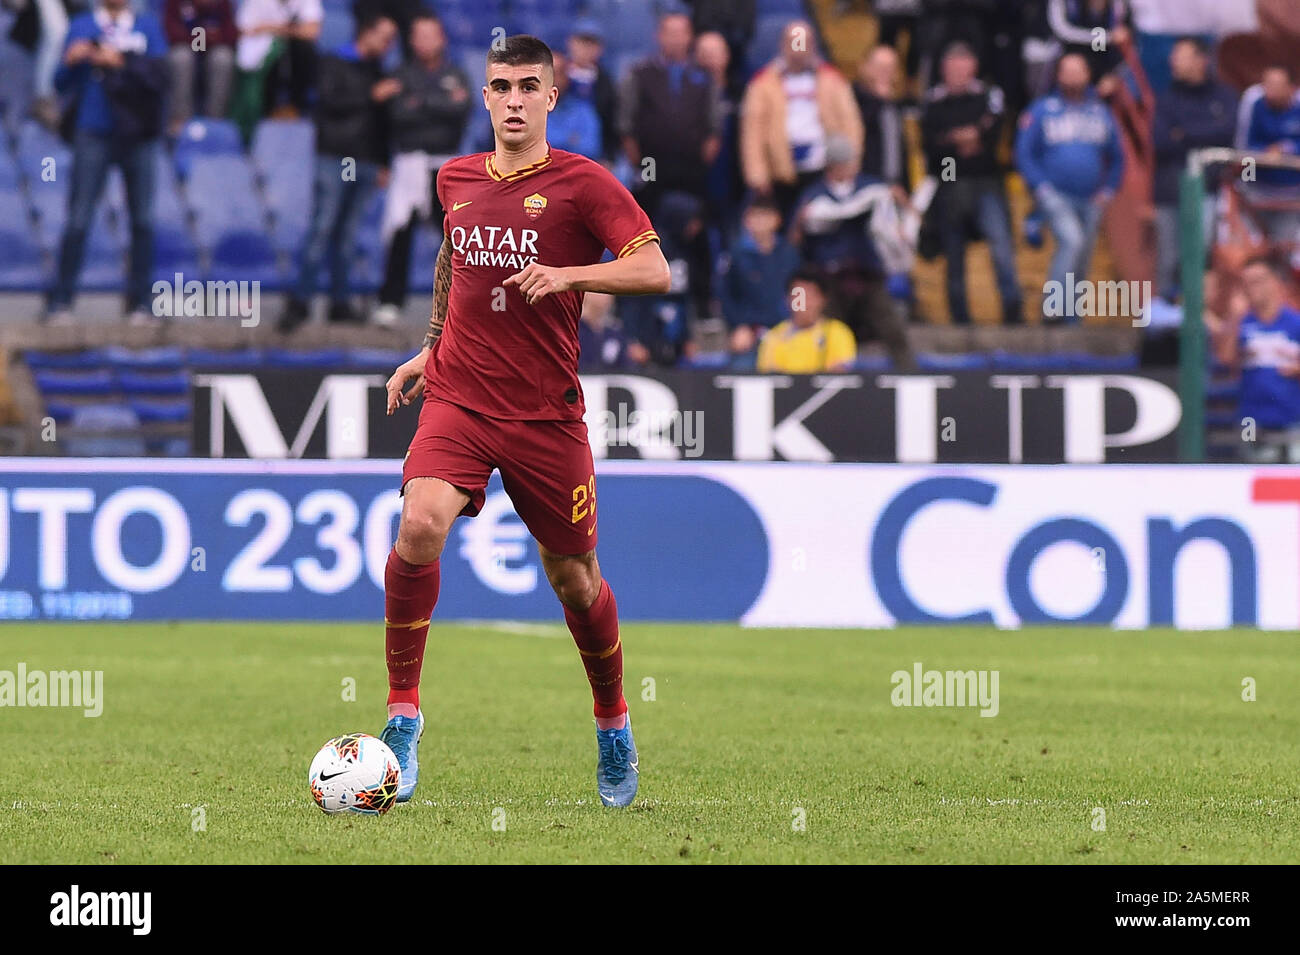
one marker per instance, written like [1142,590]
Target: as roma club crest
[534,205]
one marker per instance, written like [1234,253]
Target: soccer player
[525,229]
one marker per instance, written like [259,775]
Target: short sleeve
[840,345]
[613,215]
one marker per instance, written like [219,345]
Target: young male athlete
[524,232]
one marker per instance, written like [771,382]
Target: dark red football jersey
[497,354]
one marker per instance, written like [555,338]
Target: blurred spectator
[1195,112]
[897,17]
[1068,150]
[404,13]
[754,276]
[960,127]
[1086,27]
[115,72]
[1265,345]
[40,27]
[1269,123]
[733,20]
[573,123]
[724,189]
[590,81]
[216,21]
[600,340]
[878,92]
[1039,48]
[833,225]
[1129,220]
[670,116]
[351,151]
[807,342]
[945,22]
[656,326]
[276,54]
[790,108]
[427,119]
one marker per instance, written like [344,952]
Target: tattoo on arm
[441,289]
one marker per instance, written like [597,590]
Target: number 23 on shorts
[584,503]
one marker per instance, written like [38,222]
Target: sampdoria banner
[784,545]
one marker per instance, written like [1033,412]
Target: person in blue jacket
[574,123]
[114,76]
[1068,150]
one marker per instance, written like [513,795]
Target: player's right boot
[617,769]
[402,734]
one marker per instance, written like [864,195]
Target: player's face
[518,99]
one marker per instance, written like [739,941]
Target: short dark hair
[370,20]
[521,50]
[763,203]
[806,277]
[424,13]
[1281,270]
[1202,47]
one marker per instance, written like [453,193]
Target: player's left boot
[616,769]
[402,734]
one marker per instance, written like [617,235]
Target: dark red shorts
[545,466]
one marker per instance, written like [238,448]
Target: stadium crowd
[771,176]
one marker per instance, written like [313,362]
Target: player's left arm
[643,271]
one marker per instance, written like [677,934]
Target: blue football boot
[616,769]
[402,734]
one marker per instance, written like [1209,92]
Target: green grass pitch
[748,733]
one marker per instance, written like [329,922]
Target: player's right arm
[398,394]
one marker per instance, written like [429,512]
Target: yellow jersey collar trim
[528,170]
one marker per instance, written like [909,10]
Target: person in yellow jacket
[807,342]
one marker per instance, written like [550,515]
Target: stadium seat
[424,254]
[116,419]
[204,359]
[67,381]
[246,256]
[22,266]
[10,174]
[1083,361]
[870,363]
[767,39]
[319,358]
[223,198]
[84,358]
[168,358]
[934,361]
[208,138]
[282,148]
[336,30]
[374,358]
[153,382]
[35,145]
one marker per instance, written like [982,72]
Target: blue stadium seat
[870,363]
[288,193]
[169,358]
[282,148]
[767,39]
[1082,361]
[320,358]
[375,358]
[114,418]
[160,410]
[424,253]
[98,381]
[201,359]
[789,9]
[153,382]
[1029,362]
[85,358]
[708,360]
[10,175]
[223,198]
[204,137]
[246,256]
[22,266]
[934,361]
[337,29]
[35,145]
[1223,391]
